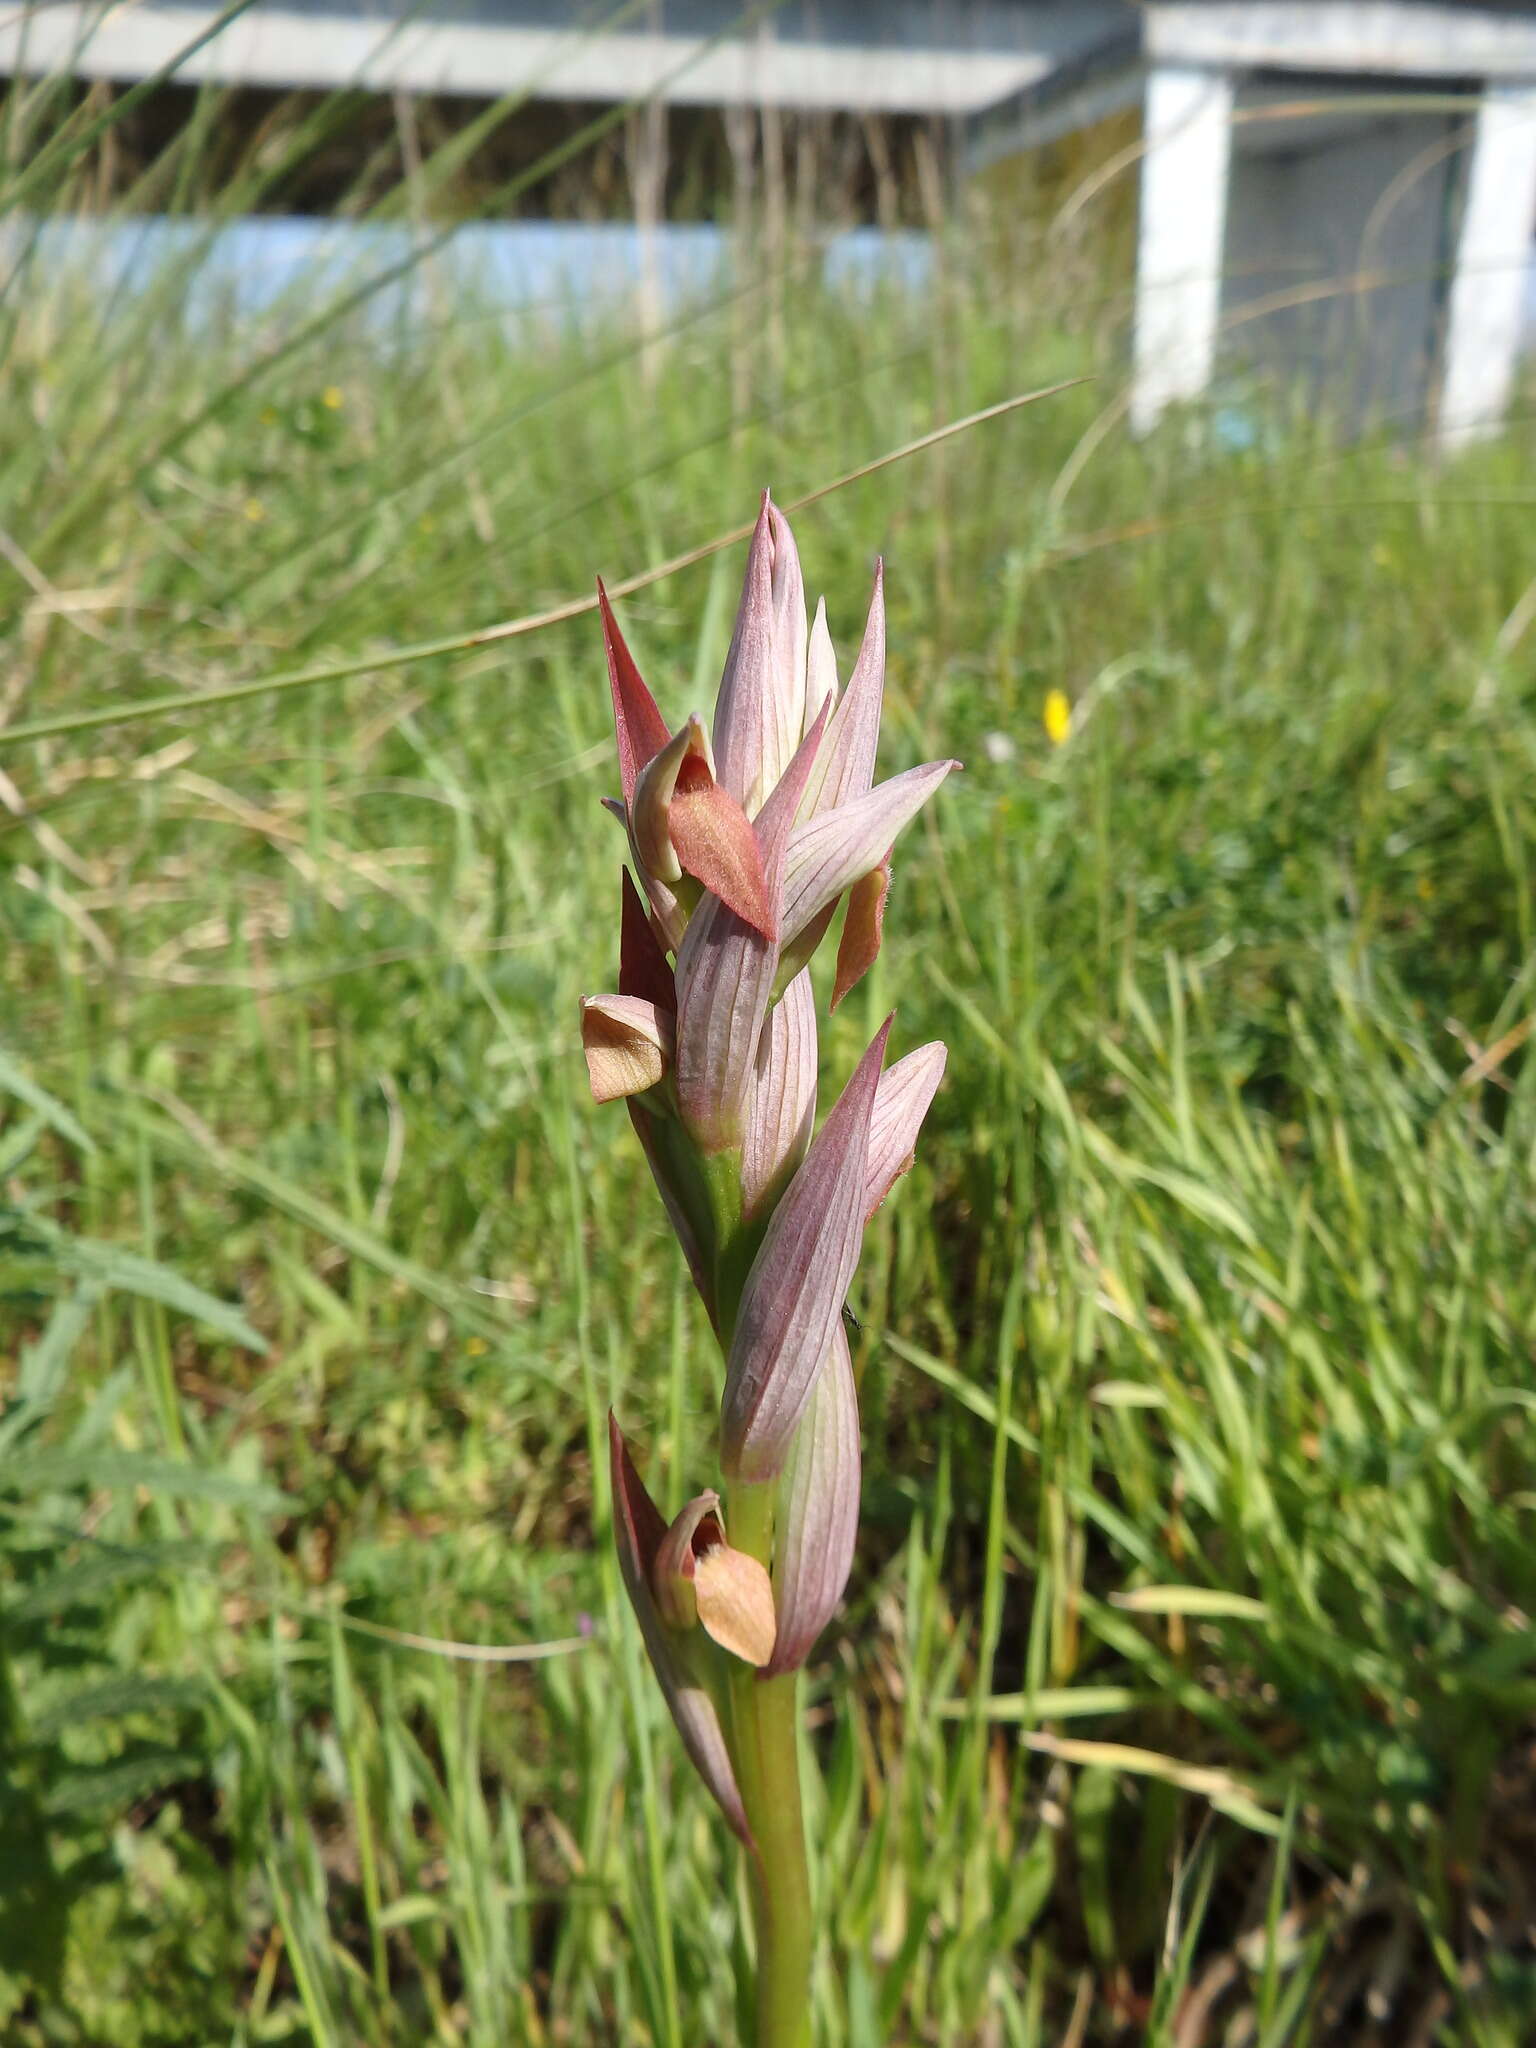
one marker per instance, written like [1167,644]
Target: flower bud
[683,822]
[653,798]
[638,1535]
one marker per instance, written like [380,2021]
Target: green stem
[765,1712]
[765,1724]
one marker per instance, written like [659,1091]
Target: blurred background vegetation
[1185,1687]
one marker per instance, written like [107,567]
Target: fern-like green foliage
[90,1732]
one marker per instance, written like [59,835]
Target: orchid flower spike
[744,837]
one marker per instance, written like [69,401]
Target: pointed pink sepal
[845,768]
[638,724]
[830,852]
[644,969]
[901,1103]
[790,649]
[638,1533]
[760,710]
[793,1297]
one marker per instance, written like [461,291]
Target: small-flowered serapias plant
[744,840]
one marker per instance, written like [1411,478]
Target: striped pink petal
[775,822]
[793,1295]
[817,1511]
[781,1099]
[725,971]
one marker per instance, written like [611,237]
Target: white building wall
[1486,321]
[1188,133]
[1337,258]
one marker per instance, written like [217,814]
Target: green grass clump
[1187,1674]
